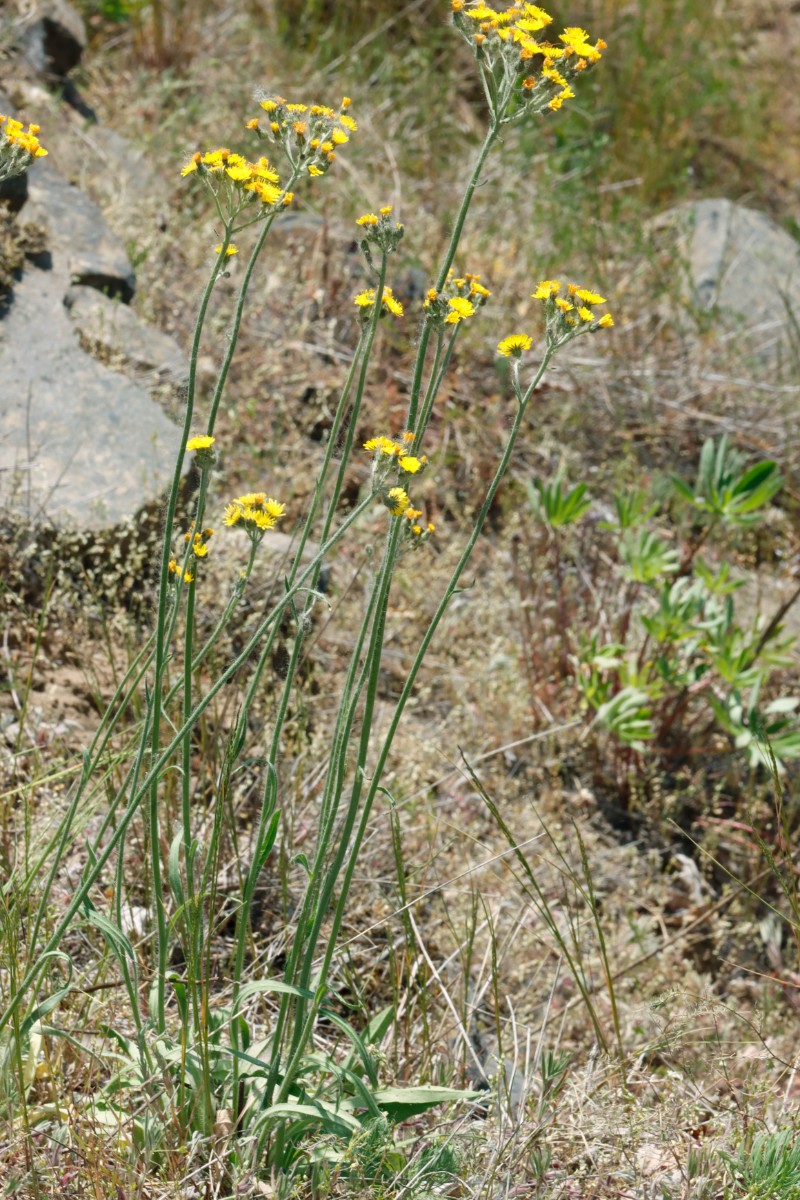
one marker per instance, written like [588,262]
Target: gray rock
[120,333]
[740,266]
[80,445]
[53,37]
[82,246]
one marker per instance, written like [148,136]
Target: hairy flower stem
[344,851]
[160,761]
[333,933]
[447,262]
[161,647]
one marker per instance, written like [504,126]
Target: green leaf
[400,1103]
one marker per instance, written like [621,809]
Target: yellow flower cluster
[255,513]
[199,542]
[387,451]
[308,133]
[380,230]
[365,300]
[459,299]
[569,315]
[183,576]
[244,180]
[504,41]
[397,501]
[18,147]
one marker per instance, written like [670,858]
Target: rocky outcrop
[83,249]
[83,444]
[52,37]
[737,265]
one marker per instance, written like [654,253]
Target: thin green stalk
[161,760]
[328,809]
[334,869]
[447,262]
[186,748]
[380,766]
[161,648]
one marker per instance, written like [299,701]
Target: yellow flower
[192,164]
[408,437]
[255,512]
[387,208]
[477,289]
[557,101]
[585,314]
[367,219]
[348,123]
[230,250]
[577,40]
[339,137]
[389,302]
[315,171]
[188,576]
[514,344]
[564,305]
[546,289]
[460,309]
[398,501]
[589,297]
[410,464]
[365,299]
[252,124]
[201,442]
[384,444]
[607,321]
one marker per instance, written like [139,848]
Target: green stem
[161,760]
[333,934]
[447,262]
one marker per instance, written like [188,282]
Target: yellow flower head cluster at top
[459,299]
[388,453]
[381,231]
[567,312]
[255,513]
[506,44]
[309,134]
[366,299]
[239,181]
[18,147]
